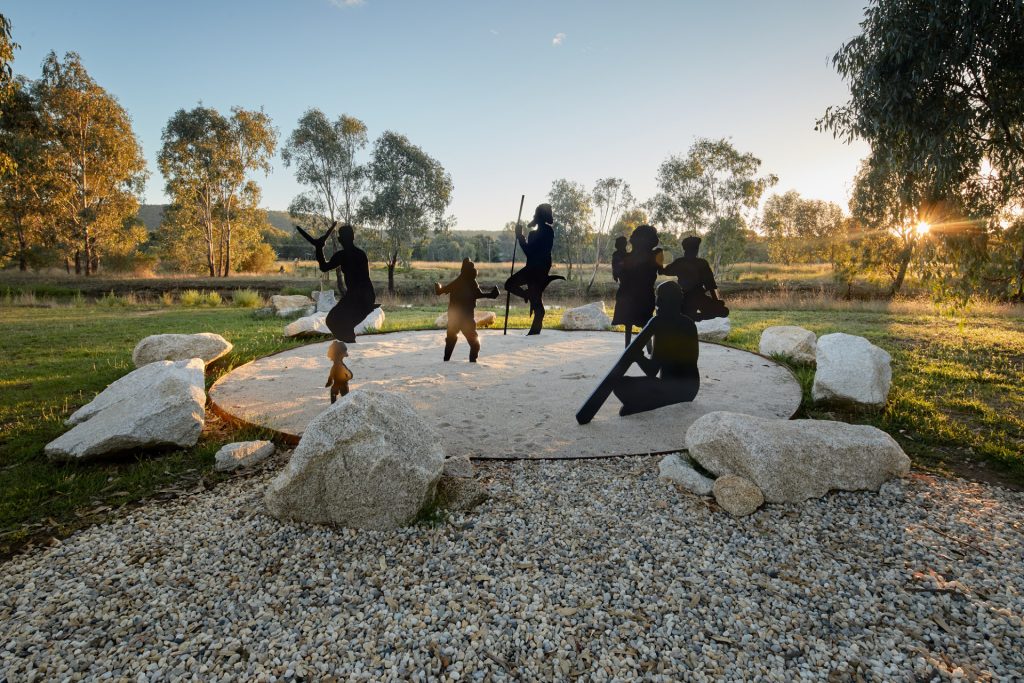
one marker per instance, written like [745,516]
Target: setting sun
[922,228]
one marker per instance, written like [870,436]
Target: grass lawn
[956,406]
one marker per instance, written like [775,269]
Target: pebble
[574,569]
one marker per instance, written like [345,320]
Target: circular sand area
[518,401]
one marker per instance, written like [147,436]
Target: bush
[167,299]
[247,298]
[135,263]
[112,300]
[191,297]
[212,299]
[260,260]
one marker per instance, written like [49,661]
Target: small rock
[460,493]
[675,469]
[285,305]
[589,317]
[458,466]
[482,318]
[851,370]
[325,300]
[205,345]
[737,496]
[242,454]
[790,341]
[715,329]
[308,325]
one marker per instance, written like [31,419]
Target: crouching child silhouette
[671,370]
[462,293]
[340,375]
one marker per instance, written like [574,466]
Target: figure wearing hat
[462,293]
[530,282]
[671,369]
[700,292]
[359,298]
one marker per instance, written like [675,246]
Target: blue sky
[508,96]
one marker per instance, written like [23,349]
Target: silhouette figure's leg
[341,321]
[515,285]
[537,306]
[640,394]
[470,333]
[629,335]
[451,337]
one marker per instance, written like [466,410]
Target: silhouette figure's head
[542,216]
[336,351]
[669,297]
[691,245]
[468,268]
[346,234]
[620,243]
[644,237]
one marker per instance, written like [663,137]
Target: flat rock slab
[518,401]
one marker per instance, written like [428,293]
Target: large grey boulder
[482,319]
[285,305]
[851,370]
[205,345]
[737,496]
[790,341]
[794,460]
[160,404]
[715,329]
[679,471]
[373,321]
[325,300]
[242,454]
[369,462]
[307,325]
[589,317]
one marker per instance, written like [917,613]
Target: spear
[515,242]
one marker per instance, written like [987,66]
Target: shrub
[260,260]
[212,299]
[112,300]
[191,297]
[167,299]
[247,298]
[136,263]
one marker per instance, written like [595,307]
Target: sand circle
[518,401]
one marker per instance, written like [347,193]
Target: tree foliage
[799,230]
[93,158]
[206,159]
[409,192]
[937,89]
[7,83]
[712,191]
[572,207]
[610,198]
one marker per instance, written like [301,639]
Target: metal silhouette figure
[530,282]
[359,299]
[339,376]
[634,300]
[618,257]
[671,370]
[462,293]
[701,300]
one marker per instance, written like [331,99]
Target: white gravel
[575,569]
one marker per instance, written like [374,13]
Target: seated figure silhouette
[339,375]
[530,282]
[462,293]
[359,298]
[700,292]
[671,370]
[634,300]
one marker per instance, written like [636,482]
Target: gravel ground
[575,569]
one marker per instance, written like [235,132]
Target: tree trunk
[391,273]
[227,253]
[67,264]
[897,283]
[597,262]
[22,248]
[209,257]
[87,253]
[78,262]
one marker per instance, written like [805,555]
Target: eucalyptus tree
[25,193]
[610,197]
[713,191]
[799,230]
[7,83]
[206,159]
[937,90]
[573,210]
[324,153]
[95,160]
[408,193]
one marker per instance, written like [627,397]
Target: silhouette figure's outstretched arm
[318,246]
[633,354]
[492,293]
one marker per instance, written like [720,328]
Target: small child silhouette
[340,375]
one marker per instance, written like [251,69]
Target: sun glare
[922,228]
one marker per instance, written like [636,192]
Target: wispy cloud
[558,39]
[494,31]
[347,3]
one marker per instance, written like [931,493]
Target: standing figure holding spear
[531,281]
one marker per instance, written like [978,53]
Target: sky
[508,96]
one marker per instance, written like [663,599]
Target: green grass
[957,400]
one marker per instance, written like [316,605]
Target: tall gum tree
[93,156]
[573,211]
[323,153]
[409,192]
